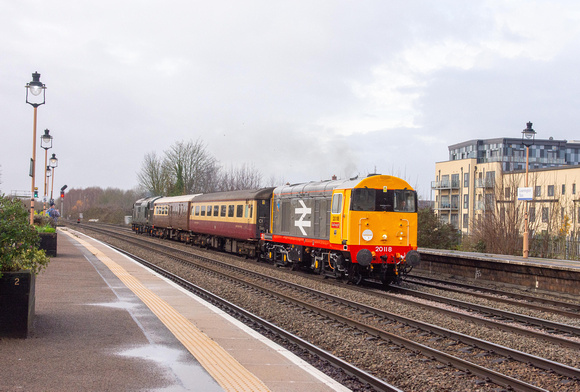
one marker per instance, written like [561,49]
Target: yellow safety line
[225,369]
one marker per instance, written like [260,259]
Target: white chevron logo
[301,223]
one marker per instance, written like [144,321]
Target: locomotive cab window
[405,201]
[337,203]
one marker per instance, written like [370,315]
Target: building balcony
[443,206]
[444,184]
[479,183]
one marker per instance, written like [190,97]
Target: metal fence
[567,248]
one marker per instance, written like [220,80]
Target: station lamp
[46,144]
[36,98]
[53,163]
[528,137]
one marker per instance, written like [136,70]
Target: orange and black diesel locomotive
[354,229]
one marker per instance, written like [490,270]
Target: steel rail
[493,312]
[348,368]
[467,290]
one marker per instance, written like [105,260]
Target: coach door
[336,217]
[263,216]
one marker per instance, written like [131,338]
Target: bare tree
[496,228]
[152,178]
[188,165]
[243,177]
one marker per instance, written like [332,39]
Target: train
[358,229]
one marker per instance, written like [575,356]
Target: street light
[35,88]
[46,143]
[53,164]
[528,136]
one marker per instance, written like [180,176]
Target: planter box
[48,243]
[16,303]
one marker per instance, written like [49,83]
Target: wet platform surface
[105,323]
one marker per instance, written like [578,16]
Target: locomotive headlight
[384,237]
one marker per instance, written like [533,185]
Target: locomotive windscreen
[393,200]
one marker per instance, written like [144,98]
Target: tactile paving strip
[225,369]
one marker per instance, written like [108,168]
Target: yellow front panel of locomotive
[381,228]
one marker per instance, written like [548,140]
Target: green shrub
[45,229]
[18,239]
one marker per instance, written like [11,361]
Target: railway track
[458,350]
[561,307]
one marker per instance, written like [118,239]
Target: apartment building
[484,176]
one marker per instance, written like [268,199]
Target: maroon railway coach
[231,221]
[171,217]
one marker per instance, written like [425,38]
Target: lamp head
[46,140]
[35,86]
[528,135]
[53,161]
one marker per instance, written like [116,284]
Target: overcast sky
[301,90]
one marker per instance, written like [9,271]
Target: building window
[532,214]
[573,189]
[490,179]
[455,181]
[550,190]
[545,214]
[455,220]
[507,192]
[466,180]
[466,201]
[454,201]
[465,221]
[563,189]
[538,191]
[445,181]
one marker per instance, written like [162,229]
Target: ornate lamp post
[46,144]
[528,136]
[53,163]
[36,89]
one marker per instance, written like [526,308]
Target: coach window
[216,210]
[196,210]
[208,210]
[240,211]
[231,211]
[223,211]
[202,210]
[337,203]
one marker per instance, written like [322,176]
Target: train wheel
[354,276]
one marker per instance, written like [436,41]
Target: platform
[105,323]
[552,275]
